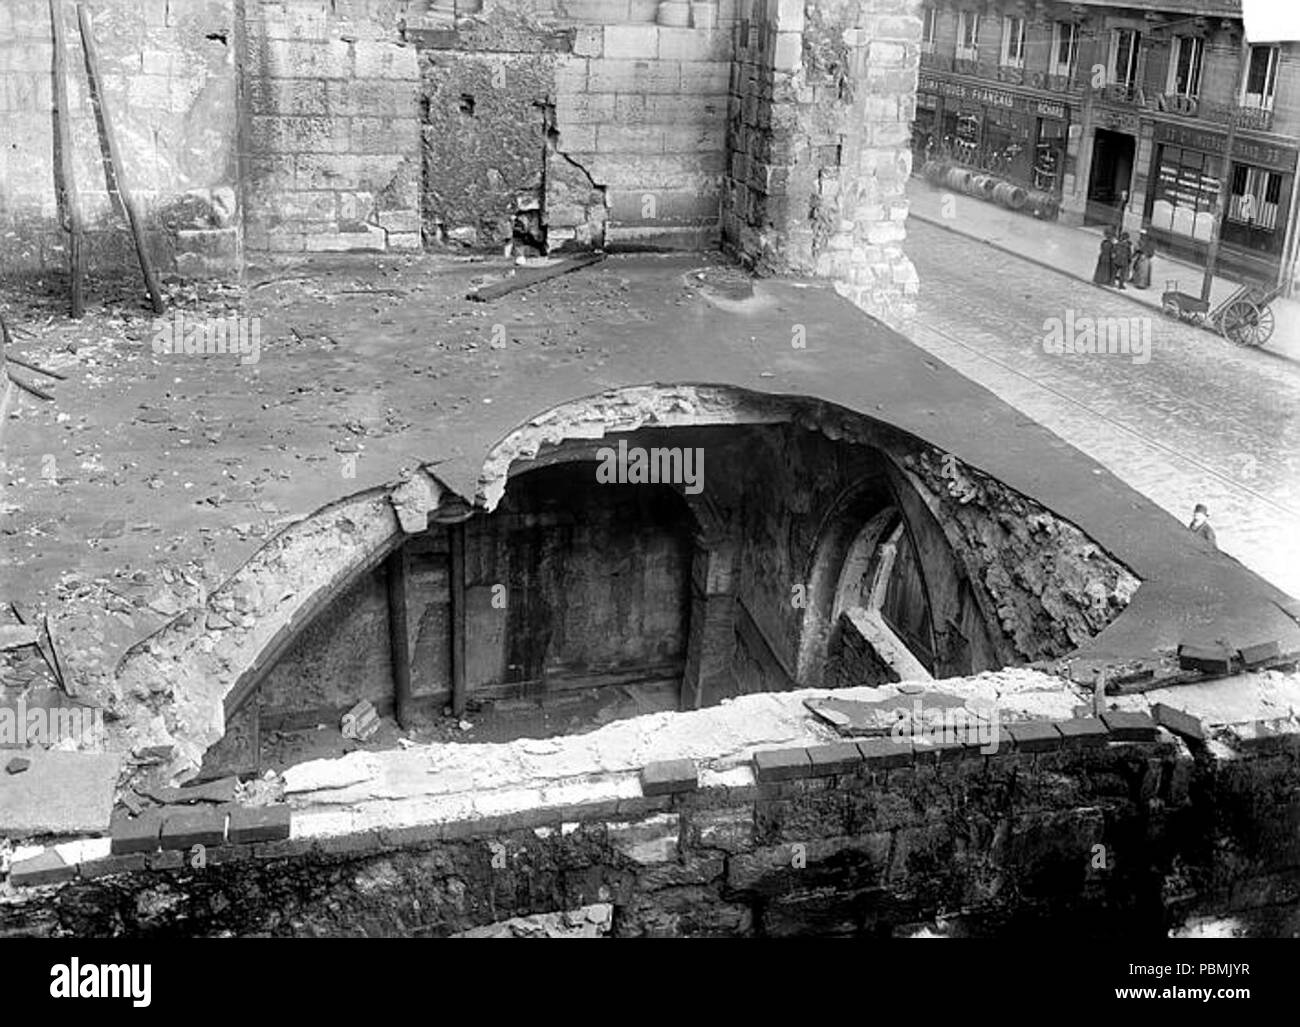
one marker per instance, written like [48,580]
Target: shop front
[1017,137]
[1182,208]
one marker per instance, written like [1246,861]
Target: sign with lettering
[1248,151]
[970,94]
[964,91]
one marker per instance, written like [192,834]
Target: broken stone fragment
[17,765]
[413,500]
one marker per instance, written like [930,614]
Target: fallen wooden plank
[115,158]
[66,685]
[525,279]
[35,367]
[27,386]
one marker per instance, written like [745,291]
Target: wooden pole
[71,199]
[398,637]
[1225,180]
[458,618]
[115,158]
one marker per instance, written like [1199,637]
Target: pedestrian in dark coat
[1105,273]
[1121,258]
[1146,249]
[1200,525]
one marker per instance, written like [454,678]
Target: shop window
[1261,78]
[1013,42]
[1049,154]
[966,145]
[968,36]
[1065,49]
[1255,197]
[1186,192]
[1124,45]
[929,22]
[1185,66]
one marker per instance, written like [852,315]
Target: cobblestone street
[1201,421]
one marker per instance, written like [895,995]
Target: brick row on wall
[332,132]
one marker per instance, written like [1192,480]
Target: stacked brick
[332,142]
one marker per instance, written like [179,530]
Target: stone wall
[822,101]
[169,83]
[573,123]
[386,125]
[1046,584]
[331,141]
[1116,829]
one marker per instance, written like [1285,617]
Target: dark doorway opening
[1111,177]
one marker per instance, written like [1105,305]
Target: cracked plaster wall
[589,118]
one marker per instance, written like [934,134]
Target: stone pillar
[822,101]
[712,640]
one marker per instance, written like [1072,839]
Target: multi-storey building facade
[1125,111]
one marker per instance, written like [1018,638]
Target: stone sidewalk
[1073,251]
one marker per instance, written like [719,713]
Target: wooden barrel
[959,179]
[983,186]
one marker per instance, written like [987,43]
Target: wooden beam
[398,636]
[456,535]
[68,184]
[115,158]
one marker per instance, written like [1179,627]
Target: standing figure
[1121,257]
[1146,249]
[1201,524]
[1105,273]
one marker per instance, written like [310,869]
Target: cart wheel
[1239,323]
[1264,330]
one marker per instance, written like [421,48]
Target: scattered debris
[17,765]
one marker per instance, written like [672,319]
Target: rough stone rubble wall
[169,82]
[332,140]
[1000,843]
[822,99]
[1050,588]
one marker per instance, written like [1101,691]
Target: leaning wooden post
[115,158]
[68,186]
